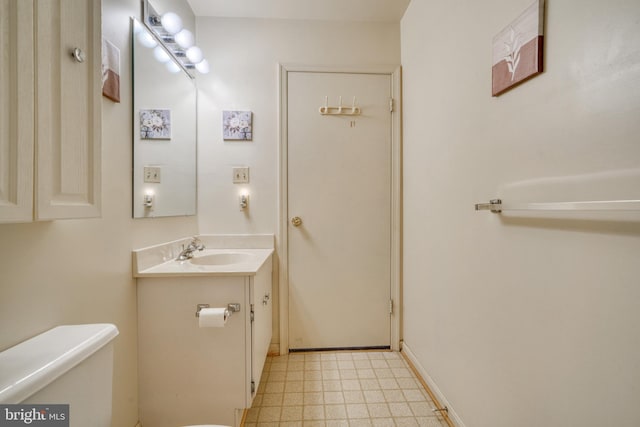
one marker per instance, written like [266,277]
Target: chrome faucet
[187,253]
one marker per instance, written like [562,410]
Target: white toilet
[65,365]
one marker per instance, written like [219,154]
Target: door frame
[282,245]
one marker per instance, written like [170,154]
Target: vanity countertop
[224,255]
[248,265]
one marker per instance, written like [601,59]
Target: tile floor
[340,389]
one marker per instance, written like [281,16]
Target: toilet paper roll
[213,317]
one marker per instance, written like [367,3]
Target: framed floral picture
[236,125]
[155,124]
[517,49]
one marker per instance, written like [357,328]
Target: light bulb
[147,39]
[172,67]
[184,39]
[194,54]
[160,54]
[203,66]
[171,22]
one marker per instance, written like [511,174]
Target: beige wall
[244,55]
[79,271]
[522,321]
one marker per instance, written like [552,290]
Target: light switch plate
[241,175]
[152,174]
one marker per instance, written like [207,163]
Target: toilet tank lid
[31,365]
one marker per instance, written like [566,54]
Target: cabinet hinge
[391,105]
[253,386]
[252,314]
[390,306]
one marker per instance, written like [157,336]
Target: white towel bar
[497,206]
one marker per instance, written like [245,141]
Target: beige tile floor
[340,389]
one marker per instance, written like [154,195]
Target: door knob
[78,54]
[296,221]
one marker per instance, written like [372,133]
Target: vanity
[202,375]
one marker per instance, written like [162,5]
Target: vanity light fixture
[171,23]
[146,38]
[161,55]
[172,67]
[203,66]
[177,42]
[185,39]
[194,54]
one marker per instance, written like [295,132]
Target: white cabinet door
[50,109]
[16,111]
[189,375]
[261,328]
[68,100]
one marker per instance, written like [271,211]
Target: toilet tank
[70,364]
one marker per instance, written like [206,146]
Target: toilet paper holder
[233,307]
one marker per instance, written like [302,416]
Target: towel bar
[497,206]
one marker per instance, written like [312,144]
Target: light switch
[241,175]
[152,174]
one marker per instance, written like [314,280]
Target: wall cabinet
[50,109]
[190,375]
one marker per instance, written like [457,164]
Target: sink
[226,258]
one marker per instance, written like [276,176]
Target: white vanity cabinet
[190,375]
[50,109]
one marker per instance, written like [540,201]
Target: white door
[339,185]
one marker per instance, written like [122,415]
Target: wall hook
[339,110]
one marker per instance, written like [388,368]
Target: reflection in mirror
[164,131]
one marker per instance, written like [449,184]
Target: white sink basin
[226,258]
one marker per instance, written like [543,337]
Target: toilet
[70,364]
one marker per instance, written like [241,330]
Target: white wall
[244,55]
[521,321]
[79,271]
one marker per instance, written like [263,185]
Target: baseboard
[242,414]
[426,378]
[274,349]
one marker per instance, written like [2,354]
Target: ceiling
[332,10]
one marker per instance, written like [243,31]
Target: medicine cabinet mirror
[164,131]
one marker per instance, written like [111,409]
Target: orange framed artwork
[517,50]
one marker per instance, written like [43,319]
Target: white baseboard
[274,348]
[432,385]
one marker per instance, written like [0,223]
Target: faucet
[187,253]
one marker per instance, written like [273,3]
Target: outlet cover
[241,175]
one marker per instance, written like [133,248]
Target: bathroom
[518,320]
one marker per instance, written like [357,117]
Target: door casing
[396,195]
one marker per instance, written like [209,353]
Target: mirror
[164,131]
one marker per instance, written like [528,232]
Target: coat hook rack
[327,110]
